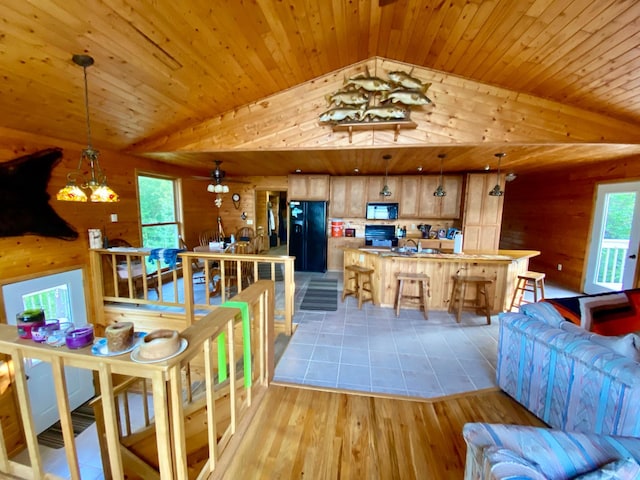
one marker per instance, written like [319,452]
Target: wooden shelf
[384,125]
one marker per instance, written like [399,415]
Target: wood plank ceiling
[164,67]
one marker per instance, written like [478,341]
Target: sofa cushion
[505,463]
[544,312]
[623,469]
[627,346]
[610,314]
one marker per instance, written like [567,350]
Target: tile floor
[371,350]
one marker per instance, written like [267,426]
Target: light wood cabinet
[308,187]
[482,213]
[448,206]
[409,198]
[335,250]
[348,197]
[375,185]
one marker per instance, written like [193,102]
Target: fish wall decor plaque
[370,100]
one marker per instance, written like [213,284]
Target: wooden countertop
[500,256]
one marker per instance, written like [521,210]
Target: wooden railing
[611,262]
[125,277]
[168,389]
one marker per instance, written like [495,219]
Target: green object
[33,315]
[246,344]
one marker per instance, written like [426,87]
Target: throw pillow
[544,312]
[607,314]
[627,346]
[620,469]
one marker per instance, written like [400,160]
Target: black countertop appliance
[308,235]
[380,236]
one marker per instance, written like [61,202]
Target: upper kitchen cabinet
[348,197]
[448,206]
[482,213]
[410,187]
[308,187]
[376,184]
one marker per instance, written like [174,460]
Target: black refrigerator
[308,235]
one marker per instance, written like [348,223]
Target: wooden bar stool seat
[480,303]
[358,283]
[528,282]
[422,299]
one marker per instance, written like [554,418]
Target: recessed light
[356,170]
[419,169]
[487,167]
[298,170]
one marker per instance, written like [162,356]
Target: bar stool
[423,292]
[528,282]
[362,284]
[459,292]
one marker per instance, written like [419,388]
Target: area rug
[81,418]
[322,295]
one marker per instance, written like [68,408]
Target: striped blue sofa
[518,452]
[563,377]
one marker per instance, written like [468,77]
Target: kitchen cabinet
[408,201]
[308,187]
[447,207]
[482,218]
[375,185]
[348,197]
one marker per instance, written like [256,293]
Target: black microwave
[382,211]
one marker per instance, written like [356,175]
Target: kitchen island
[501,266]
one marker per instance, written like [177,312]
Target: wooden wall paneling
[467,112]
[552,213]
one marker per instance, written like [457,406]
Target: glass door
[611,265]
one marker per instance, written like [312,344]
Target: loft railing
[200,282]
[611,262]
[171,387]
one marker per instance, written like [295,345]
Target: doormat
[264,272]
[81,418]
[321,294]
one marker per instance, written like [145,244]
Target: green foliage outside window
[158,212]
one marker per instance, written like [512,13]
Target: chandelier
[439,192]
[76,180]
[496,191]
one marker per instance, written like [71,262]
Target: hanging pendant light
[386,192]
[97,182]
[217,186]
[496,191]
[439,192]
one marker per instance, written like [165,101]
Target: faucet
[412,241]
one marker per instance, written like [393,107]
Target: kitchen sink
[413,250]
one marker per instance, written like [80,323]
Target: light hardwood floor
[309,434]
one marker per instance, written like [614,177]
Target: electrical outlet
[114,217]
[559,267]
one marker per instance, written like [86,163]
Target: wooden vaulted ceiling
[549,82]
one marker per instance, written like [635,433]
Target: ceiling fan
[217,175]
